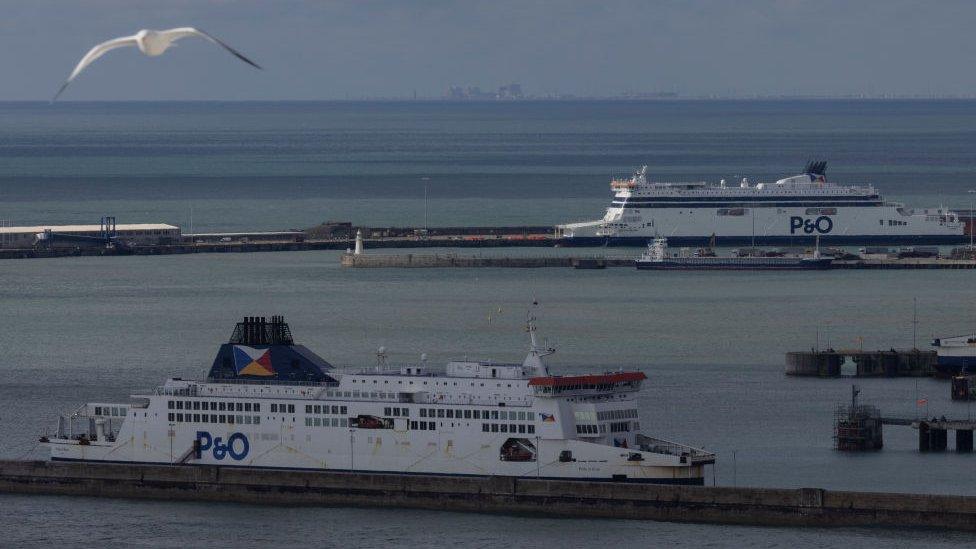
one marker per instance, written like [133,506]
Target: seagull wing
[94,54]
[181,32]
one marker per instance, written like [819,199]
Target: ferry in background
[955,355]
[268,402]
[793,210]
[659,257]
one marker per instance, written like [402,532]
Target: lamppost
[352,455]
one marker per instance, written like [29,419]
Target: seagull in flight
[151,43]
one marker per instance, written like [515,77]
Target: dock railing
[696,456]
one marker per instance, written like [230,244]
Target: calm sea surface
[712,344]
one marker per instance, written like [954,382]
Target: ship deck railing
[696,456]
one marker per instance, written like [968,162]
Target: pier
[933,434]
[485,494]
[455,260]
[892,363]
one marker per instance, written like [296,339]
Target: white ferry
[268,402]
[793,210]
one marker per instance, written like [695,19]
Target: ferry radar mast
[533,364]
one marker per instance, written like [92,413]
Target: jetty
[493,494]
[457,260]
[891,363]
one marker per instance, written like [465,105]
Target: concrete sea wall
[508,495]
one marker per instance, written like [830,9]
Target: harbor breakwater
[506,495]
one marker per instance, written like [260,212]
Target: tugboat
[268,402]
[659,257]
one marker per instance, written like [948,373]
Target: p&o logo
[822,224]
[236,446]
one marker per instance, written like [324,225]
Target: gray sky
[333,50]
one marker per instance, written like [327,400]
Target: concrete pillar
[923,437]
[938,439]
[964,440]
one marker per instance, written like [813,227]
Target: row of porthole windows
[477,414]
[507,428]
[178,417]
[321,409]
[326,422]
[216,406]
[113,411]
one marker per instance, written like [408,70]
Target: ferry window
[257,407]
[308,422]
[511,427]
[240,419]
[342,410]
[179,404]
[239,407]
[247,406]
[477,414]
[521,415]
[98,410]
[396,411]
[343,422]
[203,418]
[230,420]
[423,412]
[196,405]
[484,427]
[494,427]
[494,373]
[467,414]
[531,429]
[440,412]
[291,408]
[223,418]
[494,414]
[335,409]
[504,427]
[431,412]
[179,417]
[450,413]
[318,409]
[503,414]
[413,425]
[387,411]
[257,420]
[222,406]
[170,405]
[170,417]
[308,408]
[406,412]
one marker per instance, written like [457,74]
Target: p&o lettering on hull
[237,446]
[821,225]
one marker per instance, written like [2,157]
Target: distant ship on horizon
[792,210]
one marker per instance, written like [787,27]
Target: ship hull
[706,239]
[948,366]
[698,480]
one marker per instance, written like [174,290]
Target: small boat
[659,257]
[955,355]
